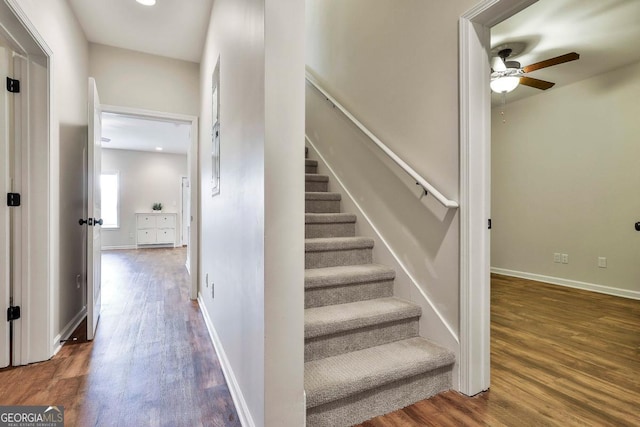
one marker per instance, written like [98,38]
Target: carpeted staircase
[363,353]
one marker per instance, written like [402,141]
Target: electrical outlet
[602,262]
[565,258]
[557,257]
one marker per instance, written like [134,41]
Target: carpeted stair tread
[329,218]
[321,195]
[310,162]
[333,378]
[332,319]
[337,244]
[347,274]
[315,177]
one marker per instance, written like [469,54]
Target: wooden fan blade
[552,61]
[537,83]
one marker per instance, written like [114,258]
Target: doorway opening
[153,155]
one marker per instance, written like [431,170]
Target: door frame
[34,248]
[193,172]
[182,220]
[475,188]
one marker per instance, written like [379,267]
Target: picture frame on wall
[215,131]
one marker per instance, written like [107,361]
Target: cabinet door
[166,235]
[146,221]
[166,221]
[146,237]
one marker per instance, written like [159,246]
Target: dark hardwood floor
[152,362]
[559,357]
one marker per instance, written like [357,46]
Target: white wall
[145,178]
[252,232]
[56,23]
[395,67]
[138,80]
[565,179]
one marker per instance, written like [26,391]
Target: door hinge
[13,199]
[489,224]
[13,85]
[13,313]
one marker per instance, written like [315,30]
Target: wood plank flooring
[559,357]
[152,362]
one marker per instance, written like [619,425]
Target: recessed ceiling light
[147,2]
[158,148]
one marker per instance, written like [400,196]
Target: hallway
[152,362]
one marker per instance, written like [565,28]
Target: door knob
[638,226]
[82,221]
[97,222]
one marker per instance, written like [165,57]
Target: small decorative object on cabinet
[156,229]
[157,207]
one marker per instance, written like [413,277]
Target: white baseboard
[624,293]
[68,329]
[236,394]
[117,247]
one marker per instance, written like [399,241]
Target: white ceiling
[141,134]
[606,34]
[171,28]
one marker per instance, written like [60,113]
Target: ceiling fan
[507,75]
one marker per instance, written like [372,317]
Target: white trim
[193,168]
[150,114]
[234,388]
[601,289]
[33,45]
[118,247]
[428,188]
[393,253]
[475,188]
[69,328]
[182,218]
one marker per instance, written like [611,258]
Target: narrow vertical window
[110,189]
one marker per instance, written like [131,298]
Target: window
[110,194]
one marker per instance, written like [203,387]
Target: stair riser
[342,294]
[310,169]
[358,339]
[329,230]
[322,206]
[381,400]
[337,258]
[316,186]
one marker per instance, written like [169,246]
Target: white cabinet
[156,229]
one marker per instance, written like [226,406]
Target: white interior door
[5,187]
[93,220]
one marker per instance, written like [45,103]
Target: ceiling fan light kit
[504,84]
[508,75]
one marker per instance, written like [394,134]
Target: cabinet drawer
[166,235]
[146,237]
[146,221]
[166,221]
